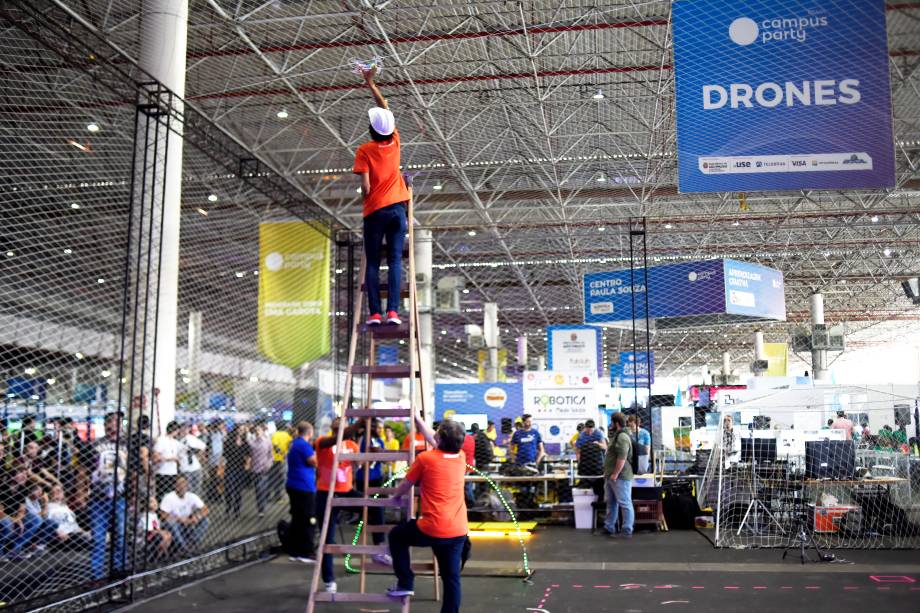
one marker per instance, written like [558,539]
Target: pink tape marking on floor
[760,587]
[697,587]
[892,579]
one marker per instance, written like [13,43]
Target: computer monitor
[830,459]
[758,449]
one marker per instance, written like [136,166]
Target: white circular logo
[692,276]
[495,397]
[274,261]
[743,31]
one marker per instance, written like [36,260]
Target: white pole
[163,34]
[818,356]
[194,356]
[423,270]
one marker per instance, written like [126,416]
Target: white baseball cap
[382,120]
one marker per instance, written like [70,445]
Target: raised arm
[375,91]
[425,431]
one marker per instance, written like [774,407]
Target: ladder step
[355,597]
[369,502]
[356,550]
[403,291]
[386,371]
[381,413]
[375,456]
[381,529]
[387,331]
[382,491]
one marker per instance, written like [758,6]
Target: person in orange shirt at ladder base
[385,200]
[442,526]
[344,488]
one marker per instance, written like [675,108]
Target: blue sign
[754,290]
[636,369]
[496,400]
[782,95]
[685,290]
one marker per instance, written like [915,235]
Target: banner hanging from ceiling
[782,95]
[635,369]
[574,348]
[293,293]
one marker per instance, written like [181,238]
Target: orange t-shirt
[440,477]
[381,162]
[343,472]
[420,443]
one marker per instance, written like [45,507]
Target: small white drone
[362,66]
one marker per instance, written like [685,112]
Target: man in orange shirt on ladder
[385,199]
[439,474]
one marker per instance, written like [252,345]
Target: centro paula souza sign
[782,95]
[729,290]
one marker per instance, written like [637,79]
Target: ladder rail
[346,401]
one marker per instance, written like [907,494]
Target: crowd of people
[129,494]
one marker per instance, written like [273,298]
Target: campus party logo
[745,31]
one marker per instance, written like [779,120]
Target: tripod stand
[804,540]
[756,506]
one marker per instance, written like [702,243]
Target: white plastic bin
[583,500]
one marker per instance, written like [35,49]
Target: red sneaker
[393,318]
[374,320]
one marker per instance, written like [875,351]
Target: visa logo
[742,164]
[799,162]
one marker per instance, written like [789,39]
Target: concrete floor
[578,572]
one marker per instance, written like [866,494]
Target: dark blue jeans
[390,223]
[101,524]
[321,497]
[448,552]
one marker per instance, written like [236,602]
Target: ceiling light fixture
[438,186]
[466,291]
[240,275]
[10,254]
[887,252]
[212,198]
[668,226]
[602,229]
[74,206]
[92,127]
[29,371]
[100,280]
[601,178]
[79,355]
[282,114]
[599,94]
[874,219]
[736,223]
[68,251]
[472,232]
[82,148]
[202,211]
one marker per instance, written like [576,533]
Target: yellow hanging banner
[777,359]
[483,363]
[294,324]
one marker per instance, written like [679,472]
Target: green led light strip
[517,526]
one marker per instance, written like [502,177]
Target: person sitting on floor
[185,515]
[151,533]
[67,530]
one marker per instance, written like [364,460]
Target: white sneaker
[397,592]
[382,558]
[331,587]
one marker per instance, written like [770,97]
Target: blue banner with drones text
[782,95]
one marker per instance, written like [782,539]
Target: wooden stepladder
[408,333]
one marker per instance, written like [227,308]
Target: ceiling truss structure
[536,131]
